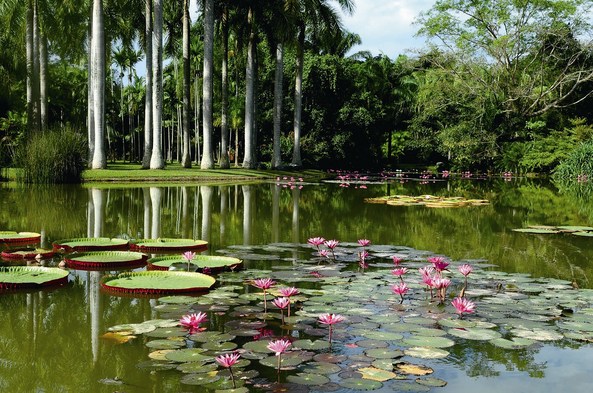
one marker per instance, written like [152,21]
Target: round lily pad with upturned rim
[27,253]
[11,237]
[157,282]
[91,244]
[17,277]
[105,260]
[214,263]
[162,245]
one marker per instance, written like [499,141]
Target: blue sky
[386,26]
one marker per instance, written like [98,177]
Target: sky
[386,26]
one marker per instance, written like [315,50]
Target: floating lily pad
[260,346]
[287,360]
[432,382]
[360,384]
[219,346]
[18,277]
[584,234]
[426,352]
[163,245]
[186,355]
[311,345]
[308,379]
[383,336]
[197,367]
[212,262]
[413,369]
[320,368]
[475,334]
[542,231]
[384,353]
[427,200]
[27,253]
[105,260]
[513,343]
[425,341]
[166,332]
[165,344]
[157,282]
[10,237]
[376,374]
[538,334]
[91,244]
[199,379]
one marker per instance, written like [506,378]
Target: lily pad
[18,277]
[413,369]
[541,231]
[187,355]
[360,384]
[538,334]
[384,353]
[376,374]
[163,245]
[308,379]
[426,341]
[475,334]
[426,353]
[311,345]
[27,253]
[513,343]
[91,244]
[10,237]
[201,262]
[157,282]
[432,382]
[105,260]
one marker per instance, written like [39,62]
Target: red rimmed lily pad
[101,260]
[91,244]
[21,277]
[164,245]
[27,253]
[11,237]
[157,282]
[213,263]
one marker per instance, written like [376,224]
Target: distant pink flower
[288,291]
[465,269]
[396,260]
[263,333]
[324,253]
[400,271]
[193,321]
[400,289]
[188,256]
[264,283]
[316,274]
[279,346]
[364,242]
[439,263]
[316,241]
[463,306]
[331,320]
[281,302]
[426,271]
[441,284]
[331,244]
[362,257]
[228,360]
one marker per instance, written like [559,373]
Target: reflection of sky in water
[567,370]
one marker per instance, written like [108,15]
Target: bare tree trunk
[186,158]
[148,99]
[249,156]
[224,126]
[98,82]
[43,81]
[156,159]
[90,103]
[276,157]
[30,69]
[298,99]
[207,159]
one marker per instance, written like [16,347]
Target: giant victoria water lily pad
[165,245]
[105,260]
[91,244]
[213,263]
[18,277]
[157,282]
[10,237]
[27,253]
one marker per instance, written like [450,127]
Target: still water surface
[50,340]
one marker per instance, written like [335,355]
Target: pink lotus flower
[331,320]
[281,302]
[228,360]
[324,253]
[465,269]
[400,271]
[463,306]
[331,244]
[264,284]
[400,289]
[316,241]
[279,346]
[442,284]
[362,257]
[364,242]
[396,260]
[439,263]
[193,321]
[288,291]
[316,274]
[188,256]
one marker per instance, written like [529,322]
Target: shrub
[578,165]
[57,156]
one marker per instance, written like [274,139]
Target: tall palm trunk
[278,80]
[186,157]
[36,67]
[156,159]
[298,98]
[90,102]
[207,159]
[43,81]
[30,53]
[148,98]
[224,120]
[249,157]
[98,85]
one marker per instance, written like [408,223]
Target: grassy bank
[132,173]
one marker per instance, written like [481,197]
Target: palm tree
[224,122]
[148,100]
[186,157]
[249,159]
[156,158]
[207,88]
[98,84]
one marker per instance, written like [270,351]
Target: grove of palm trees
[499,86]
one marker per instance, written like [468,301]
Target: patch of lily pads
[576,230]
[105,260]
[19,254]
[26,277]
[427,200]
[168,245]
[157,282]
[91,244]
[208,263]
[12,237]
[383,341]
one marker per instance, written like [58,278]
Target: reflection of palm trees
[156,195]
[247,213]
[206,194]
[296,193]
[275,213]
[147,206]
[224,203]
[98,216]
[184,210]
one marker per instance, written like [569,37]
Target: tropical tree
[249,158]
[98,85]
[186,157]
[207,87]
[156,158]
[148,132]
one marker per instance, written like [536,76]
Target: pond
[54,340]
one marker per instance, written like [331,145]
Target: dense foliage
[502,85]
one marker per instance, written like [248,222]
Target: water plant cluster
[354,328]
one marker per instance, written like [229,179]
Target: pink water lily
[228,360]
[279,347]
[264,284]
[288,292]
[396,260]
[330,320]
[316,241]
[400,289]
[399,272]
[331,244]
[442,284]
[463,306]
[188,256]
[362,260]
[281,303]
[193,321]
[438,263]
[465,269]
[364,242]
